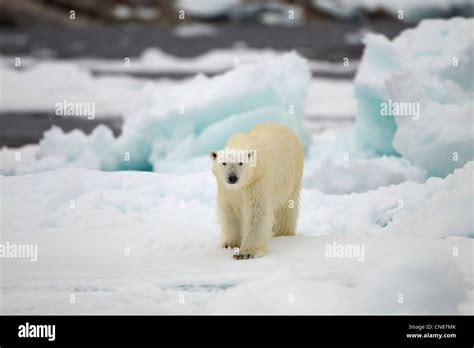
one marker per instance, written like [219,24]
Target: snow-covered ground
[136,242]
[380,231]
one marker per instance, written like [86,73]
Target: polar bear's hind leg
[286,217]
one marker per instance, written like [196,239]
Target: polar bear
[258,187]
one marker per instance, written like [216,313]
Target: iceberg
[426,73]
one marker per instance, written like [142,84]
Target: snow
[66,81]
[268,13]
[391,207]
[206,8]
[122,12]
[214,61]
[413,10]
[432,278]
[336,163]
[418,68]
[146,13]
[195,29]
[155,60]
[325,95]
[138,242]
[334,176]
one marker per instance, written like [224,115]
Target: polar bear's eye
[223,163]
[240,163]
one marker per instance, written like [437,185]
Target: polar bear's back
[280,157]
[273,140]
[277,142]
[270,134]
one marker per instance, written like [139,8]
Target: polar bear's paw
[248,253]
[243,256]
[230,245]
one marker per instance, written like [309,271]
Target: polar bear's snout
[232,178]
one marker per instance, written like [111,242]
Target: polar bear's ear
[213,154]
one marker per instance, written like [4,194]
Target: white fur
[265,200]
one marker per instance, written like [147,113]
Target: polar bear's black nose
[232,179]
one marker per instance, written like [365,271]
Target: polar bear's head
[234,168]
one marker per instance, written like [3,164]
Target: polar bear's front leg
[230,226]
[257,226]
